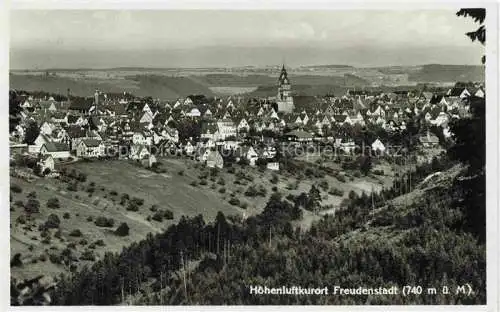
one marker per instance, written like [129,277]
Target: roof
[455,91]
[299,134]
[55,147]
[91,142]
[80,104]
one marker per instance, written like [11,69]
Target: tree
[478,15]
[32,132]
[14,110]
[365,164]
[122,230]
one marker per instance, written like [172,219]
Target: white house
[90,148]
[55,149]
[378,147]
[215,160]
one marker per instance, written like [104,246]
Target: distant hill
[447,73]
[141,85]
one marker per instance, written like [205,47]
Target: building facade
[284,98]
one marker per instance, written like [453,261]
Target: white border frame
[492,128]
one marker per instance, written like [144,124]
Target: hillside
[409,234]
[448,73]
[169,191]
[163,87]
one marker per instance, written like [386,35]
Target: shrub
[158,216]
[104,222]
[113,193]
[58,234]
[181,172]
[16,188]
[66,215]
[18,203]
[221,181]
[99,242]
[83,242]
[137,201]
[82,177]
[222,190]
[72,187]
[243,205]
[132,206]
[341,178]
[323,184]
[52,222]
[378,172]
[234,201]
[168,214]
[53,203]
[42,257]
[122,230]
[194,183]
[21,219]
[16,261]
[154,208]
[90,219]
[32,206]
[75,233]
[274,179]
[203,182]
[274,188]
[56,259]
[32,195]
[336,192]
[87,255]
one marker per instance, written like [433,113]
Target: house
[47,128]
[55,149]
[148,161]
[139,152]
[90,148]
[18,149]
[189,148]
[299,135]
[429,140]
[250,154]
[275,166]
[46,162]
[147,117]
[40,140]
[243,125]
[215,160]
[378,147]
[225,128]
[458,92]
[195,112]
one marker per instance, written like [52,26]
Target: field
[168,191]
[186,188]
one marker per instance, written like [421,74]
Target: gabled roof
[55,147]
[91,142]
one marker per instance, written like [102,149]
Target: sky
[147,38]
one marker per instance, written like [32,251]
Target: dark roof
[76,132]
[339,118]
[456,91]
[91,142]
[80,104]
[56,147]
[135,106]
[299,134]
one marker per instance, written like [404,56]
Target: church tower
[284,98]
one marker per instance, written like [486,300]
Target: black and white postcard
[284,156]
